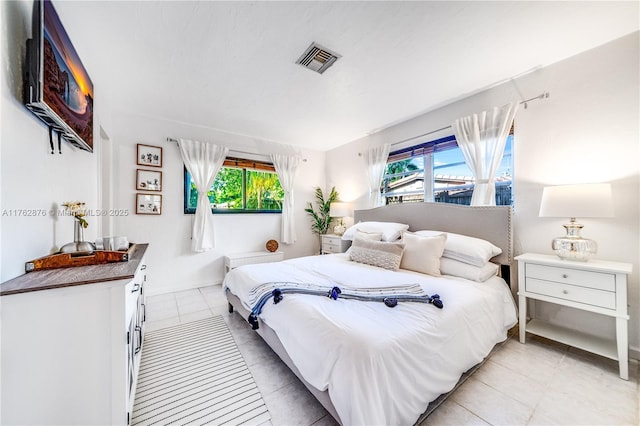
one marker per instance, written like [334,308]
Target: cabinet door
[131,373]
[137,317]
[142,311]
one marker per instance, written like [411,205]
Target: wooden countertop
[79,275]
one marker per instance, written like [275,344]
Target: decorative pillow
[422,254]
[377,253]
[474,251]
[465,270]
[391,231]
[373,236]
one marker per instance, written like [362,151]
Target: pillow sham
[471,250]
[465,270]
[391,231]
[377,253]
[422,254]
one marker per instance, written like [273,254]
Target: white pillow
[377,253]
[391,231]
[474,251]
[373,236]
[470,272]
[422,254]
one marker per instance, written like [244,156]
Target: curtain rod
[169,139]
[543,95]
[174,140]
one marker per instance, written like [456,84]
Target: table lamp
[340,210]
[582,200]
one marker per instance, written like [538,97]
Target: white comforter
[380,365]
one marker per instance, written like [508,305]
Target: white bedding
[380,365]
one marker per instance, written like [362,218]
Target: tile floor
[540,383]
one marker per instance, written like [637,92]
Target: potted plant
[321,220]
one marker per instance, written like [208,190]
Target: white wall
[587,131]
[172,264]
[33,181]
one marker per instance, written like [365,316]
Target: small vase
[78,232]
[78,246]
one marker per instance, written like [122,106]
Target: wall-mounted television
[57,86]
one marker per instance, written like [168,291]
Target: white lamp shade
[582,200]
[340,210]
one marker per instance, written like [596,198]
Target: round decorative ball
[272,245]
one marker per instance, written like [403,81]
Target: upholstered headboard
[491,223]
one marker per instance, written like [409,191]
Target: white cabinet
[596,286]
[332,243]
[72,343]
[238,259]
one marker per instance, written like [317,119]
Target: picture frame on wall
[148,204]
[149,155]
[148,180]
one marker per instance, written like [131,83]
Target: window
[241,186]
[436,171]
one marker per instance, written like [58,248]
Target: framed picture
[148,180]
[148,204]
[149,155]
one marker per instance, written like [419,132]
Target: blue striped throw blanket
[390,296]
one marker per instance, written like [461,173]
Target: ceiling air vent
[317,58]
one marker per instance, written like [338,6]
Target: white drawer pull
[565,276]
[565,291]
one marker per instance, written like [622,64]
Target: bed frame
[491,223]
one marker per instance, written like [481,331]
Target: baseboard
[152,290]
[634,354]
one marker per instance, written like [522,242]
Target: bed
[371,364]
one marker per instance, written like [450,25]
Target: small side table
[596,286]
[332,243]
[234,260]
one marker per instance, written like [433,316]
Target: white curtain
[482,138]
[286,166]
[376,160]
[203,160]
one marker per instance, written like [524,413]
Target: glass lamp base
[339,229]
[572,248]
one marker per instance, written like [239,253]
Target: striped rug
[194,374]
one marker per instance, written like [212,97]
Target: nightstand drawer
[331,248]
[589,296]
[331,240]
[590,279]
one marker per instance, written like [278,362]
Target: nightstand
[596,286]
[331,243]
[232,261]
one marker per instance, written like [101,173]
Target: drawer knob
[565,276]
[565,291]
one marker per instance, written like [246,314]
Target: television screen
[63,92]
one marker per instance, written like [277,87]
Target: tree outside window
[240,190]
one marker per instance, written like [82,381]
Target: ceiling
[231,65]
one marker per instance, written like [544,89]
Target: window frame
[233,162]
[427,150]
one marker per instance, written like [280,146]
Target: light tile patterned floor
[540,383]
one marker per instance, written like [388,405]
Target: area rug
[194,374]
